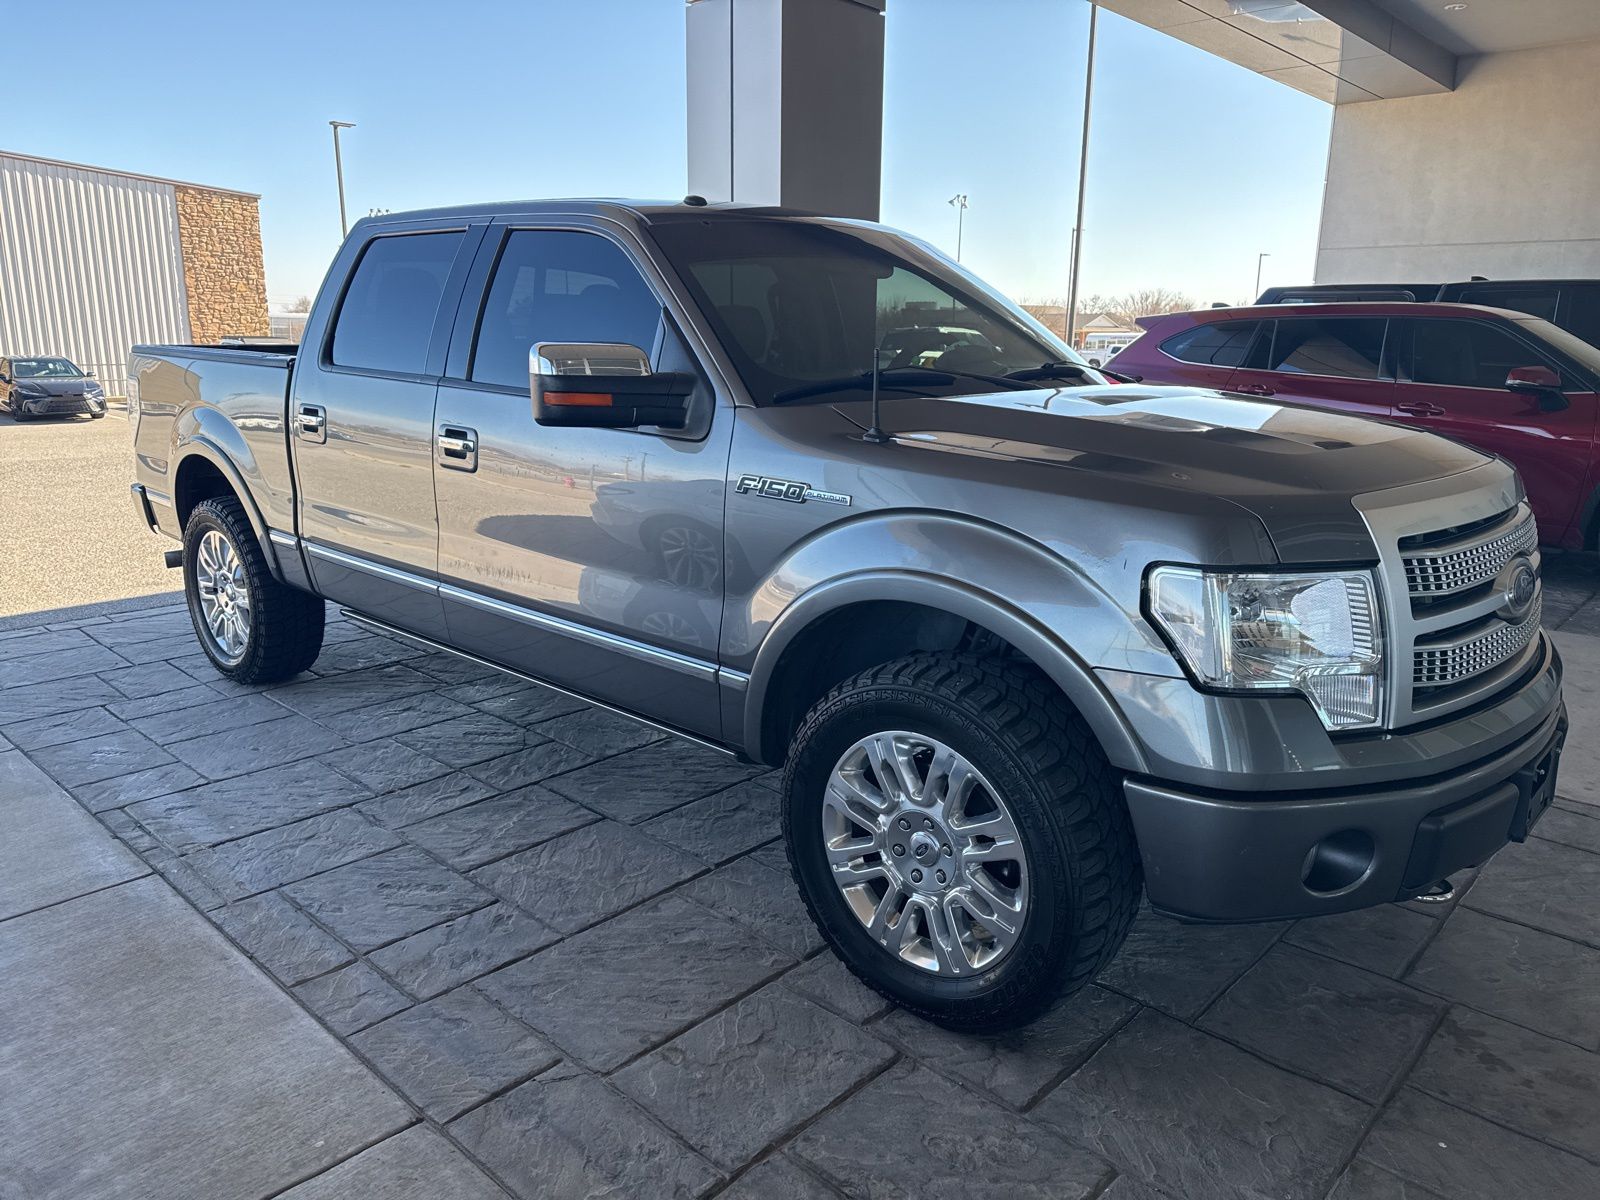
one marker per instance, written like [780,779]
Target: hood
[55,387]
[1295,468]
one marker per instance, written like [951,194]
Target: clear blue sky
[1196,165]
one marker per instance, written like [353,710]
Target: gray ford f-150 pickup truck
[1026,642]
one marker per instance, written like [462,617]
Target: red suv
[1506,382]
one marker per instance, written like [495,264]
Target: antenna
[876,433]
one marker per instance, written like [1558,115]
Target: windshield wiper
[890,379]
[1059,369]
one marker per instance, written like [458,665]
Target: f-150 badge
[791,490]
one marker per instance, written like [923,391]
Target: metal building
[93,261]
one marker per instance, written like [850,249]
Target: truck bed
[220,403]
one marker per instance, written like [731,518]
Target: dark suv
[1503,381]
[1570,304]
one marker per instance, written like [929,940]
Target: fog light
[1338,862]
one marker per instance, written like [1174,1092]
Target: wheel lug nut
[947,850]
[916,877]
[904,824]
[940,876]
[927,824]
[899,849]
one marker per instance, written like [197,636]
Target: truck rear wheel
[959,838]
[252,628]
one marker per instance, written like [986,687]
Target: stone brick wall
[220,236]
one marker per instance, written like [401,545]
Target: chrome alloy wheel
[926,853]
[224,595]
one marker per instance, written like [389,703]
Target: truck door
[589,557]
[361,424]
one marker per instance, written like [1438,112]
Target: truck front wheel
[252,628]
[959,838]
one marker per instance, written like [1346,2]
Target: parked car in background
[1570,304]
[1028,647]
[1508,383]
[49,387]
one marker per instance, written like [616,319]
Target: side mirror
[1540,382]
[605,385]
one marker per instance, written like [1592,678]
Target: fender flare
[204,447]
[1038,644]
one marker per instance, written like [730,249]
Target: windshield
[44,368]
[800,306]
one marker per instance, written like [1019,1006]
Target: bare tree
[302,304]
[1146,302]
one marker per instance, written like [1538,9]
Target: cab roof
[642,211]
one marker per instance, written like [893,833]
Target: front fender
[1042,605]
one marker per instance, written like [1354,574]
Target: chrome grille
[1440,666]
[1441,543]
[1457,570]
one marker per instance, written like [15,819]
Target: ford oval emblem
[1519,583]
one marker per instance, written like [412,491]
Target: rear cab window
[386,317]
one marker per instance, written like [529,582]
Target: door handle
[311,422]
[1419,408]
[1255,389]
[456,448]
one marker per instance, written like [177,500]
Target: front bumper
[1255,851]
[62,406]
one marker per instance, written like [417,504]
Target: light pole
[338,170]
[959,203]
[1083,179]
[1260,258]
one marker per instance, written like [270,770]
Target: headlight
[1315,632]
[94,391]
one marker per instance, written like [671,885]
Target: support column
[786,103]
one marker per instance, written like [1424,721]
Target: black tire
[285,624]
[96,416]
[1014,725]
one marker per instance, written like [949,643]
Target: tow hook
[1441,892]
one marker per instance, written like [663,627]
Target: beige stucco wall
[220,237]
[1499,177]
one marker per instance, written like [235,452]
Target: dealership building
[94,260]
[1462,143]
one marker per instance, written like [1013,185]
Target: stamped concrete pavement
[573,947]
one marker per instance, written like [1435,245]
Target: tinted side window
[1221,345]
[387,316]
[554,286]
[1467,354]
[1536,302]
[1344,347]
[1582,313]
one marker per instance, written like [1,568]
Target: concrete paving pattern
[477,938]
[70,537]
